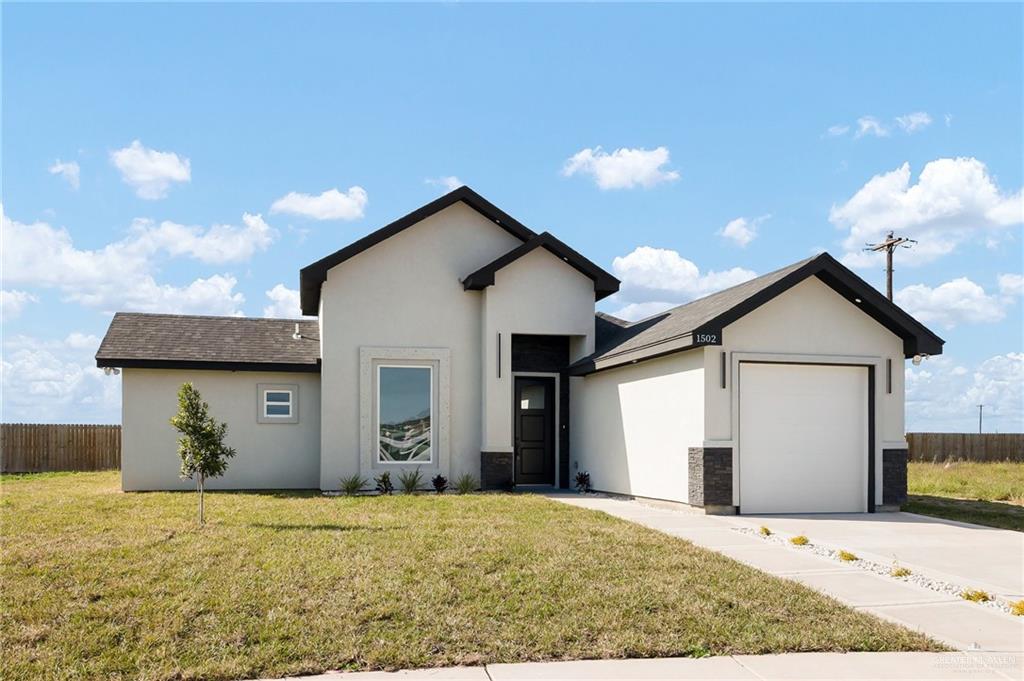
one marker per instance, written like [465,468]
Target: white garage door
[803,438]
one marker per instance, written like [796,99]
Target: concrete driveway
[966,556]
[970,555]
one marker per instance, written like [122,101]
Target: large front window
[404,414]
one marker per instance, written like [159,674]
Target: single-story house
[457,340]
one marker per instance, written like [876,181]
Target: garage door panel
[803,438]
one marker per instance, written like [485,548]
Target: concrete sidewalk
[966,554]
[853,666]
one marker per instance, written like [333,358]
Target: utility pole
[890,244]
[981,409]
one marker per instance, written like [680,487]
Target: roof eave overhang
[663,348]
[136,363]
[917,338]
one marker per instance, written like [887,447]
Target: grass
[799,540]
[846,556]
[982,493]
[98,584]
[1017,608]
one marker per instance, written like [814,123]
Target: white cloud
[954,302]
[913,122]
[69,170]
[943,395]
[837,130]
[115,277]
[953,200]
[217,245]
[214,295]
[623,168]
[448,182]
[1011,284]
[653,277]
[151,172]
[284,303]
[82,341]
[57,381]
[869,125]
[949,120]
[13,302]
[742,231]
[330,205]
[637,311]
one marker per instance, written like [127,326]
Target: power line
[890,244]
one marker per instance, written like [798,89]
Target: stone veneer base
[710,477]
[496,470]
[894,477]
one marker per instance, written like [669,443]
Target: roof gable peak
[312,276]
[604,283]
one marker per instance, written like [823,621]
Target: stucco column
[496,409]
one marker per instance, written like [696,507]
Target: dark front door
[535,431]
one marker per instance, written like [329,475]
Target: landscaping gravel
[943,587]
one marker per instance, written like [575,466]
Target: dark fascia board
[312,277]
[917,338]
[671,346]
[206,366]
[604,283]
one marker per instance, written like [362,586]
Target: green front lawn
[974,492]
[101,584]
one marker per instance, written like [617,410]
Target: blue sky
[682,147]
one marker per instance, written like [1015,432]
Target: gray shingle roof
[191,341]
[685,318]
[619,342]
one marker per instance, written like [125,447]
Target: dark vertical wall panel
[539,353]
[549,354]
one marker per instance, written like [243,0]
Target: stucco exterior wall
[269,455]
[405,293]
[537,294]
[809,322]
[632,426]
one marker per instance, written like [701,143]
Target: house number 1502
[710,338]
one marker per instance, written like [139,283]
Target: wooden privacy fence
[966,446]
[45,447]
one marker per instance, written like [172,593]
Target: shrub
[847,556]
[765,532]
[465,484]
[440,483]
[800,540]
[583,482]
[1017,608]
[384,485]
[410,480]
[899,571]
[976,595]
[351,485]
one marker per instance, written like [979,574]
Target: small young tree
[201,445]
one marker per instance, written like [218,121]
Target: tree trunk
[200,483]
